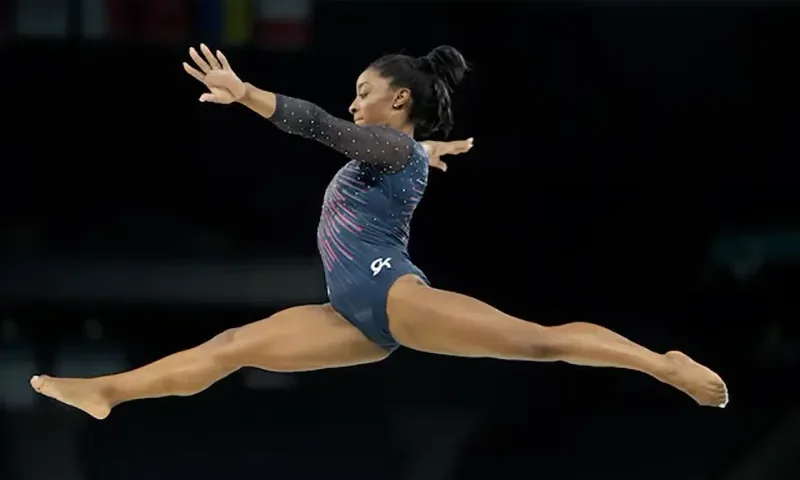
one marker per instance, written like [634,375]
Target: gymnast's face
[377,102]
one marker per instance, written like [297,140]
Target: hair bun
[448,64]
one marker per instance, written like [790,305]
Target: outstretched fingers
[224,61]
[199,61]
[210,58]
[461,146]
[194,72]
[455,147]
[206,63]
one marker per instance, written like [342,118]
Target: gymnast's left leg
[297,339]
[438,321]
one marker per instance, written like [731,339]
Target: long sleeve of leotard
[377,145]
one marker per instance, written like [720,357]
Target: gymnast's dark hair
[431,80]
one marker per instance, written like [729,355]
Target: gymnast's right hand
[216,74]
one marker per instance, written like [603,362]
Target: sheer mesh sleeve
[378,145]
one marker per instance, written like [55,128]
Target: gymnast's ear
[402,98]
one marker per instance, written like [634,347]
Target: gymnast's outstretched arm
[303,118]
[379,145]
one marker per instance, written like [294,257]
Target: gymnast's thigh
[438,321]
[310,337]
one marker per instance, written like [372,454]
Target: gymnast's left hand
[436,150]
[216,74]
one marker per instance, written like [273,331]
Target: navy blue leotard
[366,213]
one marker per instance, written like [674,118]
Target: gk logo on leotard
[379,264]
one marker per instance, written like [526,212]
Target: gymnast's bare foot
[697,381]
[75,392]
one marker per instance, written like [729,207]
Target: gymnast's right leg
[438,321]
[298,339]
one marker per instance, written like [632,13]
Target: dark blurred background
[633,167]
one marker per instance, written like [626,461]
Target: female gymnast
[379,300]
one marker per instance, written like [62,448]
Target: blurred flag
[209,24]
[164,20]
[238,22]
[103,19]
[42,18]
[224,22]
[283,23]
